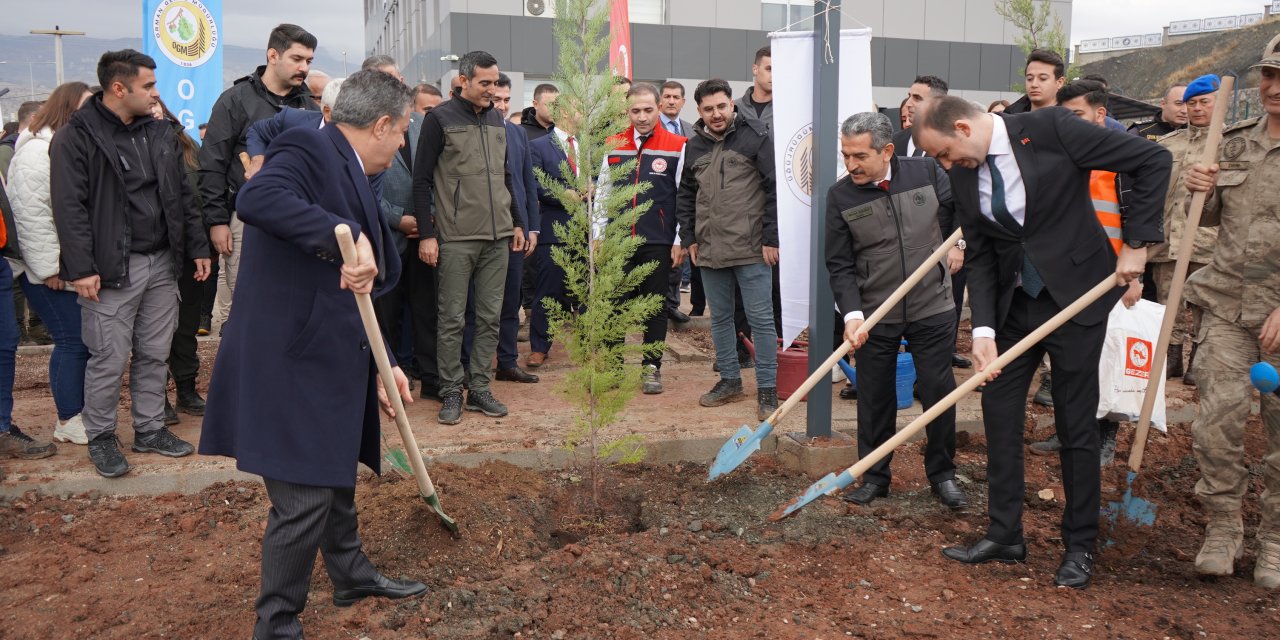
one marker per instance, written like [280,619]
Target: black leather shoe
[866,493]
[1075,571]
[849,392]
[985,550]
[515,374]
[382,587]
[677,315]
[960,362]
[950,495]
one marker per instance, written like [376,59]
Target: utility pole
[57,32]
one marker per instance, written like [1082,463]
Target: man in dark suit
[294,394]
[1035,246]
[670,104]
[548,153]
[924,88]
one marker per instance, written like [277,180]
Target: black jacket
[90,206]
[1154,129]
[1056,152]
[530,125]
[877,238]
[221,172]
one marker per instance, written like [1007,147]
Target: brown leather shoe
[535,360]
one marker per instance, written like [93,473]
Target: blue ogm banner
[184,38]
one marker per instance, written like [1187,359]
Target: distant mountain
[1148,73]
[80,61]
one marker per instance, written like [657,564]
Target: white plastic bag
[1125,367]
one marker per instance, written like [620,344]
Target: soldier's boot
[1266,573]
[1173,369]
[1190,378]
[1223,544]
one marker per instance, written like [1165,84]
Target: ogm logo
[1137,358]
[659,165]
[185,31]
[797,163]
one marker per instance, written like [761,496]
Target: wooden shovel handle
[877,315]
[972,383]
[365,302]
[1174,303]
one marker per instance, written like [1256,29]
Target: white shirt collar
[1000,144]
[888,172]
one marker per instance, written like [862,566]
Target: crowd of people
[128,240]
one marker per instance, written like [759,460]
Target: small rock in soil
[948,595]
[675,558]
[663,531]
[68,518]
[695,527]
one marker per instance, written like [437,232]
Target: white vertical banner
[793,151]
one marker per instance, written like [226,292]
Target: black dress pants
[184,363]
[305,519]
[425,309]
[1074,351]
[932,341]
[390,308]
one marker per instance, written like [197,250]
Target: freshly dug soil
[666,556]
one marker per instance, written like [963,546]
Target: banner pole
[826,119]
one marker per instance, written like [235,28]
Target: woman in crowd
[37,272]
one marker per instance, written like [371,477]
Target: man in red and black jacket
[659,156]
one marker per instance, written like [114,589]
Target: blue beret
[1207,83]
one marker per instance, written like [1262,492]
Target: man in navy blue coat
[294,394]
[548,153]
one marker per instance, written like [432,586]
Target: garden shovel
[833,482]
[365,302]
[745,441]
[1133,509]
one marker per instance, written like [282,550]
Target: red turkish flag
[620,39]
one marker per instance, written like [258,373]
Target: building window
[647,11]
[776,15]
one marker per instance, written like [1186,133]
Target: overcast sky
[339,24]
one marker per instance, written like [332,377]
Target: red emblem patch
[659,165]
[1138,358]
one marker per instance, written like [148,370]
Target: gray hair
[368,95]
[377,62]
[330,96]
[876,124]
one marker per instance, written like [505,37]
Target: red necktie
[884,184]
[573,166]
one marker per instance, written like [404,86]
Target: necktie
[675,127]
[573,151]
[1031,281]
[884,184]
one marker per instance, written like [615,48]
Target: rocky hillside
[1146,74]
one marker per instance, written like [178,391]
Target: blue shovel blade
[1134,509]
[829,484]
[739,447]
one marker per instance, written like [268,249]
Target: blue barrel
[905,380]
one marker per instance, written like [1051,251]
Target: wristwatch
[1139,244]
[961,244]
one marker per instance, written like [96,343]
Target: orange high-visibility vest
[1106,203]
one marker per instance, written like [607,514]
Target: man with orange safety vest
[1088,99]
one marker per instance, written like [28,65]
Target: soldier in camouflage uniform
[1186,145]
[1239,292]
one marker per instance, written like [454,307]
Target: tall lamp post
[57,33]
